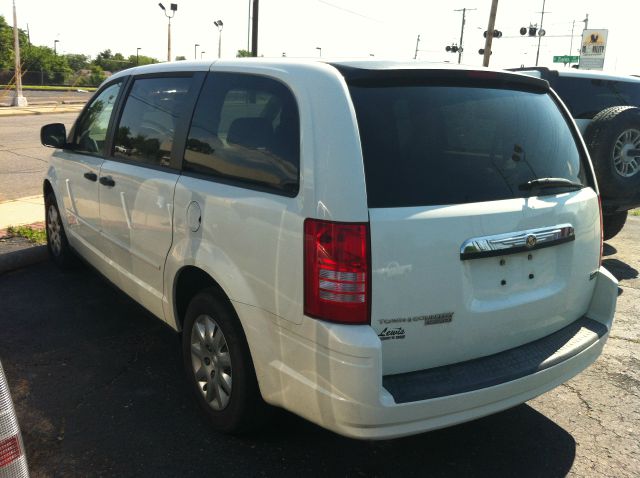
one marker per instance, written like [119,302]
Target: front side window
[146,129]
[246,130]
[91,129]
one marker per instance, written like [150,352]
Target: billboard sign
[592,51]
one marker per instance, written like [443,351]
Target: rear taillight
[336,271]
[601,229]
[10,450]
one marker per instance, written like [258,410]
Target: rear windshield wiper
[543,183]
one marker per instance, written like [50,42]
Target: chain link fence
[45,77]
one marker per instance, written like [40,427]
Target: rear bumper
[332,375]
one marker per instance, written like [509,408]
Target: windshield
[433,145]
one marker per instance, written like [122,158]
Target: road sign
[566,59]
[592,52]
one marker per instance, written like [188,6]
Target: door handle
[107,181]
[91,176]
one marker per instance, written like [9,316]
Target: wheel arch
[189,281]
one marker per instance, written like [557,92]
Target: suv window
[246,130]
[434,145]
[586,97]
[91,130]
[148,123]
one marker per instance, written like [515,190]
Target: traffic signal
[496,34]
[453,48]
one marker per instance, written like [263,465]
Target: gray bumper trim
[495,369]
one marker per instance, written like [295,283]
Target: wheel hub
[626,153]
[211,362]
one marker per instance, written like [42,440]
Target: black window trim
[124,80]
[180,135]
[239,183]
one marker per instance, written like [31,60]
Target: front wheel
[59,249]
[218,365]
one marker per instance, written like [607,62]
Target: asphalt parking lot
[99,391]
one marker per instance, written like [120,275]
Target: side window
[246,129]
[149,118]
[91,130]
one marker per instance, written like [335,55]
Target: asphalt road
[37,97]
[99,391]
[23,160]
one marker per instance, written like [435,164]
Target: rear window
[586,97]
[434,145]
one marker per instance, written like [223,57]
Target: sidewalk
[21,211]
[40,109]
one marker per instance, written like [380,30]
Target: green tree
[243,54]
[77,61]
[181,58]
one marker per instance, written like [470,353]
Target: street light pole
[18,99]
[138,55]
[319,50]
[55,47]
[202,53]
[219,24]
[195,51]
[173,7]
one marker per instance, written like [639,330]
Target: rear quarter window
[245,131]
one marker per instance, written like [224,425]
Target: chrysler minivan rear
[479,268]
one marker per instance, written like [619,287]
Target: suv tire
[59,249]
[610,136]
[612,224]
[218,365]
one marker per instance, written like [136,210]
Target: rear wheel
[613,138]
[59,249]
[612,224]
[218,365]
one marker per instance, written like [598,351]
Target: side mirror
[53,135]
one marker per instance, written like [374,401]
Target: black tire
[244,410]
[602,134]
[612,224]
[60,251]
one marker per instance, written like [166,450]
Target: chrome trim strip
[514,242]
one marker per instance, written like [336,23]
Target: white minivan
[383,248]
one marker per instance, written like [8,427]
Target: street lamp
[195,51]
[55,46]
[202,53]
[138,55]
[173,7]
[319,51]
[218,23]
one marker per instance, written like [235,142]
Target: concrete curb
[11,261]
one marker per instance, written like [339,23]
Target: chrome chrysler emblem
[531,241]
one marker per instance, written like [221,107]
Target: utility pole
[415,56]
[249,28]
[254,29]
[540,32]
[18,99]
[490,29]
[464,14]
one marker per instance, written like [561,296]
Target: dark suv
[606,110]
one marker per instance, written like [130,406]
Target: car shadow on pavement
[99,390]
[621,270]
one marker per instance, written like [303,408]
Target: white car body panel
[412,281]
[136,226]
